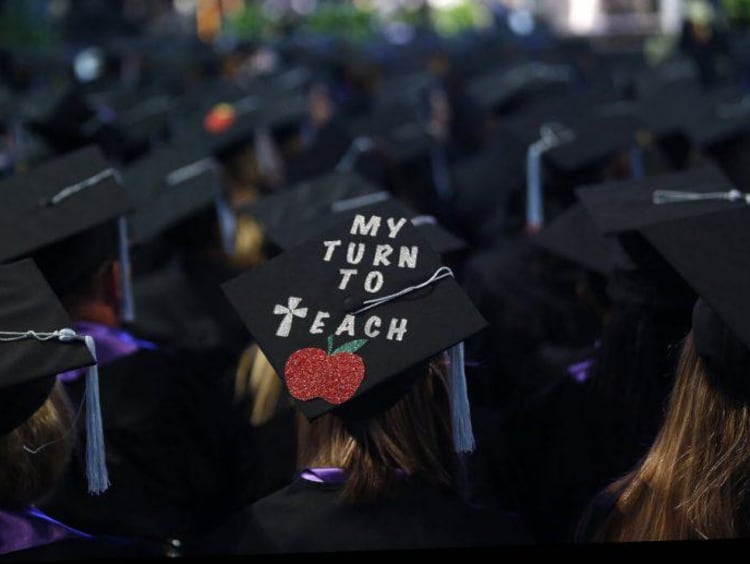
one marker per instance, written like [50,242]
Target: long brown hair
[412,435]
[27,477]
[693,483]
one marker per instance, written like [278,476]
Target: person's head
[84,272]
[409,430]
[366,364]
[692,484]
[320,103]
[26,477]
[66,215]
[36,422]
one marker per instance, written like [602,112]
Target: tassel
[534,205]
[227,224]
[636,163]
[96,464]
[440,174]
[463,435]
[127,305]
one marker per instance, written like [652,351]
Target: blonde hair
[256,386]
[413,435]
[693,483]
[27,477]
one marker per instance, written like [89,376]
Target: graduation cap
[624,205]
[573,235]
[628,209]
[724,116]
[343,316]
[503,87]
[301,212]
[571,143]
[69,214]
[709,248]
[168,186]
[37,344]
[398,130]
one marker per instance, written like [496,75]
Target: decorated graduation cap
[295,215]
[711,251]
[169,185]
[343,316]
[235,119]
[69,214]
[37,344]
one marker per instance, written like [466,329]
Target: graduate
[690,484]
[174,449]
[357,321]
[37,419]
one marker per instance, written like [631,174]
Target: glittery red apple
[334,376]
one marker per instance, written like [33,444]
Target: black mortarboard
[38,344]
[234,119]
[574,236]
[502,88]
[293,216]
[169,185]
[65,213]
[28,365]
[346,314]
[724,115]
[627,209]
[398,130]
[710,251]
[597,137]
[627,205]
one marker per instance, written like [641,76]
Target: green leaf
[330,345]
[351,346]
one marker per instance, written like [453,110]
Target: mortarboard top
[597,137]
[592,134]
[398,130]
[29,366]
[396,89]
[167,186]
[59,199]
[710,252]
[305,309]
[678,72]
[308,200]
[671,109]
[232,120]
[725,115]
[573,235]
[502,87]
[301,212]
[627,205]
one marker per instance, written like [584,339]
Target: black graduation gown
[179,457]
[308,517]
[79,549]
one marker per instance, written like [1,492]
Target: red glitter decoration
[312,373]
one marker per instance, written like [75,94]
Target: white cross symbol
[289,312]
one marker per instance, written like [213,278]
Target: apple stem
[330,344]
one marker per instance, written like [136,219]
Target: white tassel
[127,305]
[463,434]
[96,464]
